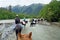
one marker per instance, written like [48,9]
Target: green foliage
[51,11]
[6,14]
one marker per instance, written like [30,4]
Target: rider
[24,19]
[18,27]
[17,20]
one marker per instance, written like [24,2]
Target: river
[39,32]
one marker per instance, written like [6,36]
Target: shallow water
[43,32]
[39,32]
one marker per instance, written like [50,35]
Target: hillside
[51,12]
[31,9]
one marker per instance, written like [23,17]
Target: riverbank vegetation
[51,11]
[6,14]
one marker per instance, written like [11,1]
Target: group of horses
[32,22]
[35,21]
[27,36]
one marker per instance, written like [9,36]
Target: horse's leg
[17,34]
[16,37]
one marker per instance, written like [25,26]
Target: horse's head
[25,36]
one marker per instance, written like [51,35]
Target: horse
[32,23]
[18,28]
[23,23]
[24,36]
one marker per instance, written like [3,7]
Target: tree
[51,11]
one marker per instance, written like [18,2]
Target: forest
[51,11]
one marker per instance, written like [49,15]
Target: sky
[4,3]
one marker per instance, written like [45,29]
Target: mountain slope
[31,9]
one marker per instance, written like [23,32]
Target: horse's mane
[24,36]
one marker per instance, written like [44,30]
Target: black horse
[18,28]
[32,23]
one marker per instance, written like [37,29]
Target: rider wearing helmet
[17,20]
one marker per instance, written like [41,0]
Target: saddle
[18,27]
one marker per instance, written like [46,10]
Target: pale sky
[4,3]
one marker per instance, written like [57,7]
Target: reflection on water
[39,32]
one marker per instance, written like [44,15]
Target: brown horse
[24,36]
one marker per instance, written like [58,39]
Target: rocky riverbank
[55,23]
[50,23]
